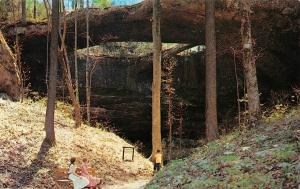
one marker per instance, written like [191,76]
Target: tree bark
[68,80]
[24,11]
[34,9]
[156,84]
[87,68]
[211,122]
[249,64]
[10,77]
[75,52]
[49,120]
[67,75]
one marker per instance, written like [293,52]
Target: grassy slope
[267,156]
[27,162]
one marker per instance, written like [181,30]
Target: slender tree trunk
[68,80]
[34,9]
[237,88]
[24,11]
[47,7]
[75,54]
[211,122]
[87,69]
[156,84]
[67,74]
[49,120]
[249,64]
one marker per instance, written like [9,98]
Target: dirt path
[139,184]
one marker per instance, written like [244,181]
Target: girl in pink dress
[84,172]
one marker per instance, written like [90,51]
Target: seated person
[93,181]
[79,182]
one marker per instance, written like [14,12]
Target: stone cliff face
[122,88]
[9,76]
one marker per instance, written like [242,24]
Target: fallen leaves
[25,164]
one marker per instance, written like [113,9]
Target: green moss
[205,183]
[285,152]
[213,146]
[230,157]
[206,166]
[271,160]
[248,181]
[232,171]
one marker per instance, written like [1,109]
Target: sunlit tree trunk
[249,63]
[49,120]
[211,122]
[156,84]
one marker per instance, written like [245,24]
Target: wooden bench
[61,177]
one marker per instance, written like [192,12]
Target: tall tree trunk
[211,122]
[156,84]
[249,64]
[24,11]
[87,68]
[49,120]
[34,9]
[67,73]
[75,53]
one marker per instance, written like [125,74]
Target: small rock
[283,165]
[297,168]
[228,153]
[262,154]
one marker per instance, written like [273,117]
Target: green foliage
[266,156]
[102,3]
[206,166]
[278,112]
[203,183]
[226,158]
[40,10]
[249,181]
[285,152]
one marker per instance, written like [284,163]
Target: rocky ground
[267,156]
[26,161]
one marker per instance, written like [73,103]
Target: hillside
[26,161]
[267,156]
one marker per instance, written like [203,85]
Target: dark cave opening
[122,87]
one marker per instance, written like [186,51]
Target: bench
[61,177]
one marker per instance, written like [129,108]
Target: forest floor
[26,161]
[138,184]
[267,156]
